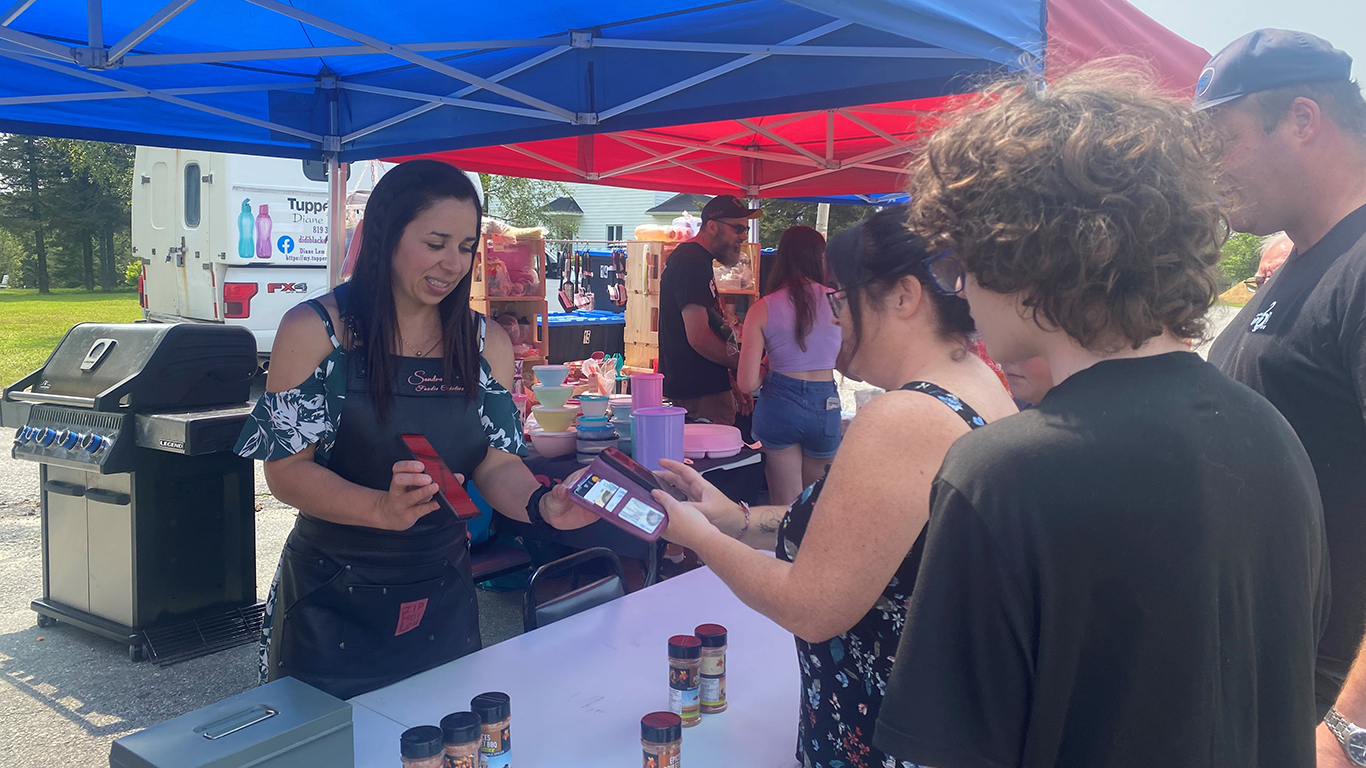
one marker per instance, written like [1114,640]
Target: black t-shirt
[688,279]
[1301,342]
[1131,574]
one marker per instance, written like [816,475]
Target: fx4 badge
[287,288]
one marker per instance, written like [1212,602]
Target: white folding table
[580,686]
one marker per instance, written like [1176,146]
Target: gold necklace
[428,351]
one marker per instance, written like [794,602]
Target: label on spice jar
[662,761]
[713,666]
[462,762]
[686,703]
[682,677]
[495,750]
[713,690]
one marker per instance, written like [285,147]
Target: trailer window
[192,195]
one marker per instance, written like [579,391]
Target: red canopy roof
[852,150]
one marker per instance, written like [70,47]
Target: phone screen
[634,469]
[449,488]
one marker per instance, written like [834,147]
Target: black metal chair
[603,590]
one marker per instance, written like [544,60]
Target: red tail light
[142,285]
[237,299]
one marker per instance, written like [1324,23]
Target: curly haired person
[1134,572]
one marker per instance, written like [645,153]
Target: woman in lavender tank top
[797,414]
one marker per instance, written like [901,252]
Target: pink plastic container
[658,434]
[715,441]
[647,390]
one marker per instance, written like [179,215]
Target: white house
[613,213]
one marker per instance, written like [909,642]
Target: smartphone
[617,489]
[450,494]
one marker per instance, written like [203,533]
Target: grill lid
[144,366]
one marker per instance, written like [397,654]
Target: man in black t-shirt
[1134,573]
[696,349]
[1294,125]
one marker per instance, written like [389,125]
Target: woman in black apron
[374,582]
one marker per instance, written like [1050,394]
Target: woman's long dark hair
[870,257]
[797,264]
[368,310]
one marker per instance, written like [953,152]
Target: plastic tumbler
[658,434]
[647,390]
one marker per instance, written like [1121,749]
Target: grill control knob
[21,435]
[93,443]
[46,436]
[67,439]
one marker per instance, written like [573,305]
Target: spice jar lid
[492,707]
[685,647]
[661,727]
[422,741]
[460,727]
[711,635]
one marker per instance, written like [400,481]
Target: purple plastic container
[647,390]
[658,434]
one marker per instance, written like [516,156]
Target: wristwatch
[1350,735]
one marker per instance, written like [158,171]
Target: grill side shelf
[191,433]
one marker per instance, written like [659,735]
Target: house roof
[680,203]
[564,205]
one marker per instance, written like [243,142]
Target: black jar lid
[685,647]
[421,742]
[460,727]
[492,707]
[661,727]
[711,635]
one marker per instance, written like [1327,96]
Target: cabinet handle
[236,722]
[64,488]
[107,497]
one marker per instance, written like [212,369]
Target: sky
[1212,24]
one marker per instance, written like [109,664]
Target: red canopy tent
[859,149]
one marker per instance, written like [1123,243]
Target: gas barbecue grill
[148,516]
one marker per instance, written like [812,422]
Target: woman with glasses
[797,414]
[848,548]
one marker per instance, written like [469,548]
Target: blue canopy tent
[344,80]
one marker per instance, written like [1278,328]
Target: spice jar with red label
[713,670]
[661,737]
[685,661]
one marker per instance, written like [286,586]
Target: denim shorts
[794,412]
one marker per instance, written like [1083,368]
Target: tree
[781,214]
[1241,254]
[519,201]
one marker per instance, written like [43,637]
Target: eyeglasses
[739,229]
[945,271]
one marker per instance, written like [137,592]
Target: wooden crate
[534,309]
[642,357]
[642,319]
[645,262]
[527,255]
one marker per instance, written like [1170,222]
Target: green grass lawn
[31,325]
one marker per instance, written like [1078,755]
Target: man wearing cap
[695,355]
[1295,129]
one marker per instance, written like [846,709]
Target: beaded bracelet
[744,508]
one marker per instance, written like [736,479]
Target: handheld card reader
[450,494]
[617,489]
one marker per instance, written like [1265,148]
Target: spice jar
[685,660]
[661,736]
[713,685]
[495,738]
[461,733]
[421,747]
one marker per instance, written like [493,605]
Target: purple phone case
[619,499]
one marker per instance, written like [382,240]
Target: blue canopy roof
[381,79]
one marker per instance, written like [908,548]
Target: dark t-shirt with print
[688,279]
[1301,342]
[1132,574]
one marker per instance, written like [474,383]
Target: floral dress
[845,678]
[284,423]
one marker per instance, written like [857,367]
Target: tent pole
[823,219]
[336,218]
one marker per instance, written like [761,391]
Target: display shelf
[536,311]
[522,268]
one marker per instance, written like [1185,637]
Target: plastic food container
[715,441]
[550,375]
[593,405]
[552,397]
[621,406]
[554,419]
[658,435]
[647,390]
[553,444]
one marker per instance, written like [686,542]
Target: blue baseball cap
[1269,59]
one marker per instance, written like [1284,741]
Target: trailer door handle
[64,488]
[107,497]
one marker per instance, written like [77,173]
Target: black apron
[360,608]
